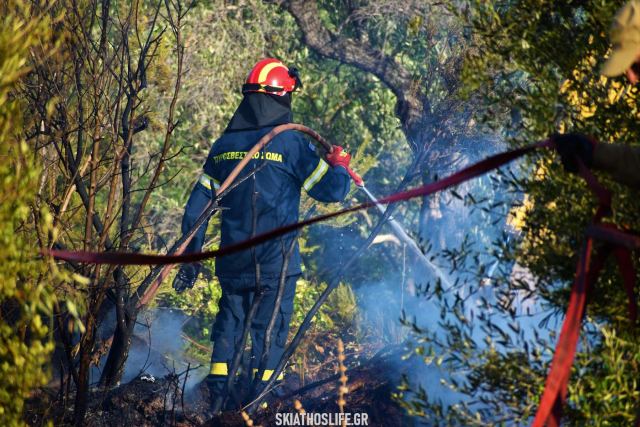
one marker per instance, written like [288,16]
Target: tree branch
[411,105]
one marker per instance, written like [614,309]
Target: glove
[572,146]
[339,157]
[186,277]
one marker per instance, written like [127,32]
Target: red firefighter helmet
[272,76]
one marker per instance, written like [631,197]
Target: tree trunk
[125,323]
[84,371]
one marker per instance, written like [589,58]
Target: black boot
[217,403]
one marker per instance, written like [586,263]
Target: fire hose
[123,258]
[616,241]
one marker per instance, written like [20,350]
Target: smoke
[157,348]
[382,306]
[448,221]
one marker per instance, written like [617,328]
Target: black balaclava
[258,110]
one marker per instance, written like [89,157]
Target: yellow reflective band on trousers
[219,368]
[266,375]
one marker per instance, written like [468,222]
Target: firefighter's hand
[339,157]
[186,277]
[573,146]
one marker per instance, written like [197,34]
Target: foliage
[201,303]
[537,67]
[26,294]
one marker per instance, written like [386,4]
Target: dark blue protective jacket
[290,164]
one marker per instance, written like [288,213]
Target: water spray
[399,231]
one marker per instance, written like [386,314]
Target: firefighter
[621,161]
[267,200]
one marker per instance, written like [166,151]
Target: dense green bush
[26,295]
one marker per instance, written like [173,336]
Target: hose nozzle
[357,179]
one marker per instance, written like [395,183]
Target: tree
[537,64]
[86,108]
[416,50]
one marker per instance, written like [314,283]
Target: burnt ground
[162,402]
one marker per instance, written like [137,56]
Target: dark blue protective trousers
[234,305]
